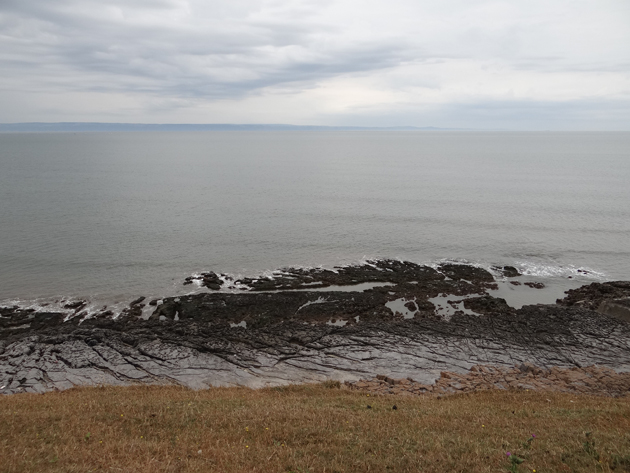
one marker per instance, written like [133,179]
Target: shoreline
[408,321]
[557,278]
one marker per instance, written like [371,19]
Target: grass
[310,428]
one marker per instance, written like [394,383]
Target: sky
[515,65]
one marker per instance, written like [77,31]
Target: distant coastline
[95,126]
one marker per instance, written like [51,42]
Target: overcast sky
[528,64]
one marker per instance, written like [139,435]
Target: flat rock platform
[391,318]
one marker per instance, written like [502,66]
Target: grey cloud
[217,61]
[182,52]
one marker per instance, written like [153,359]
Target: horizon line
[112,126]
[126,126]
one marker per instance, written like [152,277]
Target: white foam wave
[197,279]
[89,309]
[542,270]
[529,268]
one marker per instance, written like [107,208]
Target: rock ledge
[595,380]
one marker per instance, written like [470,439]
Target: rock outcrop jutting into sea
[393,318]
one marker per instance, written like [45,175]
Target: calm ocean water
[116,215]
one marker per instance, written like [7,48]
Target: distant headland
[95,126]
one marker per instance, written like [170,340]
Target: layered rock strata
[399,318]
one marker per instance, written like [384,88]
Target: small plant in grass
[514,460]
[528,443]
[589,446]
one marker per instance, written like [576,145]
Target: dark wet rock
[465,271]
[134,310]
[11,311]
[488,305]
[75,305]
[426,306]
[386,271]
[591,296]
[168,309]
[210,280]
[515,283]
[507,271]
[534,285]
[258,338]
[136,301]
[618,308]
[411,306]
[153,302]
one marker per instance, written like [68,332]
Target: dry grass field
[310,428]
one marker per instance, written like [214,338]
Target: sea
[110,216]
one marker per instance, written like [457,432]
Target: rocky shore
[594,380]
[302,325]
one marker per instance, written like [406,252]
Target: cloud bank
[454,63]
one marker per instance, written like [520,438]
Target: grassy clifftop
[310,428]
